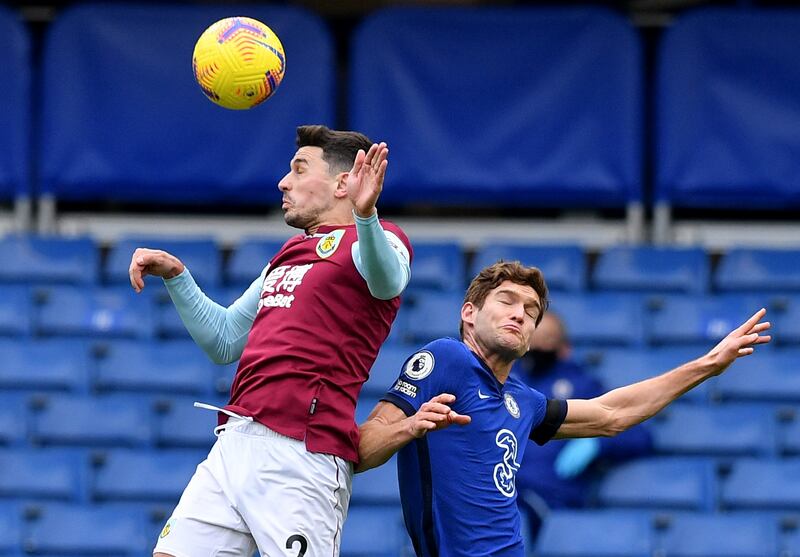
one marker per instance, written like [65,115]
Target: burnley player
[457,485]
[307,330]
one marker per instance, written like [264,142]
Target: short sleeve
[427,373]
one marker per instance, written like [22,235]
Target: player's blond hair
[494,275]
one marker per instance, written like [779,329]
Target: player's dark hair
[494,275]
[339,148]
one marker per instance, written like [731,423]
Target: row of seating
[442,266]
[100,138]
[677,534]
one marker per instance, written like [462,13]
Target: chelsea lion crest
[328,243]
[511,405]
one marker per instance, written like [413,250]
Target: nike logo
[481,395]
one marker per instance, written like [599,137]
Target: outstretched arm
[622,408]
[388,429]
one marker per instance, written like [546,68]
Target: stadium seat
[15,106]
[441,122]
[387,367]
[49,260]
[726,430]
[180,424]
[660,482]
[93,312]
[101,145]
[601,533]
[438,266]
[762,484]
[725,141]
[128,475]
[92,421]
[717,535]
[649,269]
[41,365]
[771,375]
[173,367]
[377,486]
[374,532]
[13,419]
[431,315]
[789,440]
[249,258]
[41,473]
[10,529]
[59,529]
[786,320]
[616,367]
[564,266]
[601,319]
[168,324]
[200,255]
[696,319]
[16,309]
[750,269]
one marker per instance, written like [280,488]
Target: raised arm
[622,408]
[388,429]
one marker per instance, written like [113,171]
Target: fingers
[750,323]
[760,327]
[358,163]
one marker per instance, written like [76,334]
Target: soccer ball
[238,62]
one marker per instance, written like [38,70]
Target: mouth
[513,328]
[285,204]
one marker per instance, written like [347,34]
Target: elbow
[614,425]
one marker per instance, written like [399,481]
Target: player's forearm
[383,268]
[379,441]
[220,332]
[633,404]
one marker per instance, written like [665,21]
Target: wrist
[174,271]
[368,216]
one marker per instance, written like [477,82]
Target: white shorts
[260,490]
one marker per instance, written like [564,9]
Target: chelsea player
[457,485]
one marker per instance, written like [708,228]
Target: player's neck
[499,365]
[334,218]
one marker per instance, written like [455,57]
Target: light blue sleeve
[381,258]
[221,332]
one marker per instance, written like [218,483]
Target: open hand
[436,414]
[365,179]
[740,342]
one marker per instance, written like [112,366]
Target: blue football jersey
[457,485]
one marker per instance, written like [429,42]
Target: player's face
[506,322]
[307,189]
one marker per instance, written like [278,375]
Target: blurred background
[645,154]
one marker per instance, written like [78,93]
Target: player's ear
[468,313]
[341,185]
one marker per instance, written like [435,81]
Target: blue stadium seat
[49,260]
[726,140]
[438,266]
[771,375]
[16,308]
[437,101]
[374,532]
[786,320]
[602,533]
[729,535]
[750,269]
[790,541]
[94,312]
[41,473]
[249,258]
[377,486]
[601,319]
[430,315]
[660,482]
[174,367]
[92,421]
[13,419]
[10,529]
[789,440]
[59,529]
[387,367]
[101,145]
[15,107]
[731,429]
[617,367]
[648,269]
[42,365]
[180,424]
[128,475]
[168,324]
[564,267]
[696,319]
[762,484]
[200,255]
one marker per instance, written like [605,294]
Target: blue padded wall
[15,106]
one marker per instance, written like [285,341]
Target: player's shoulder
[521,388]
[395,230]
[448,352]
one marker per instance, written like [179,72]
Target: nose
[518,313]
[284,185]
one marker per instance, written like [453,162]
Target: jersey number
[298,538]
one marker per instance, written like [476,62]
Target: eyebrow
[299,160]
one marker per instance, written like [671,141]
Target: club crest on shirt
[511,405]
[167,528]
[327,244]
[420,365]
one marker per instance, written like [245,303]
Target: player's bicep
[585,418]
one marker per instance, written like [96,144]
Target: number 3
[298,538]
